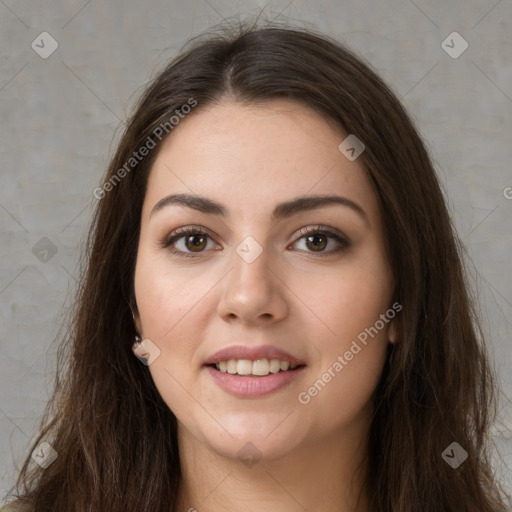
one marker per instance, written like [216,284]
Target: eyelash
[344,242]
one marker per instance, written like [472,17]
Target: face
[253,275]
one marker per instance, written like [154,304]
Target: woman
[274,314]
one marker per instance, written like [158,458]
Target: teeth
[232,366]
[260,367]
[274,365]
[244,367]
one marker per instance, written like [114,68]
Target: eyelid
[320,228]
[342,240]
[184,230]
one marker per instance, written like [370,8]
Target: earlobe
[137,323]
[392,331]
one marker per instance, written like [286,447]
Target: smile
[260,367]
[253,379]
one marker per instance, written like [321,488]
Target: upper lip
[252,353]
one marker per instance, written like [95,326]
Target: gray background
[60,120]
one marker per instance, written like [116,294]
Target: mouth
[244,378]
[253,371]
[256,368]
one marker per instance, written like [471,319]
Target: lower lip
[252,386]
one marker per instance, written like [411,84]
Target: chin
[250,449]
[250,436]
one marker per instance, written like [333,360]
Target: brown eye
[317,239]
[196,242]
[316,242]
[188,242]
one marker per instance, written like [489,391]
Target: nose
[253,292]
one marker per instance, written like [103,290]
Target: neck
[327,476]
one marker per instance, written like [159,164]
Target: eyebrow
[281,211]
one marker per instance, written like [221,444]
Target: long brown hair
[114,435]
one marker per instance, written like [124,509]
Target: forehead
[256,156]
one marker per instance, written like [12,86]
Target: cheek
[350,363]
[358,306]
[347,396]
[167,296]
[349,298]
[352,353]
[175,305]
[169,305]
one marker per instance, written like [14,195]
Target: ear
[136,321]
[392,330]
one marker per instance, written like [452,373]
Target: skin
[250,158]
